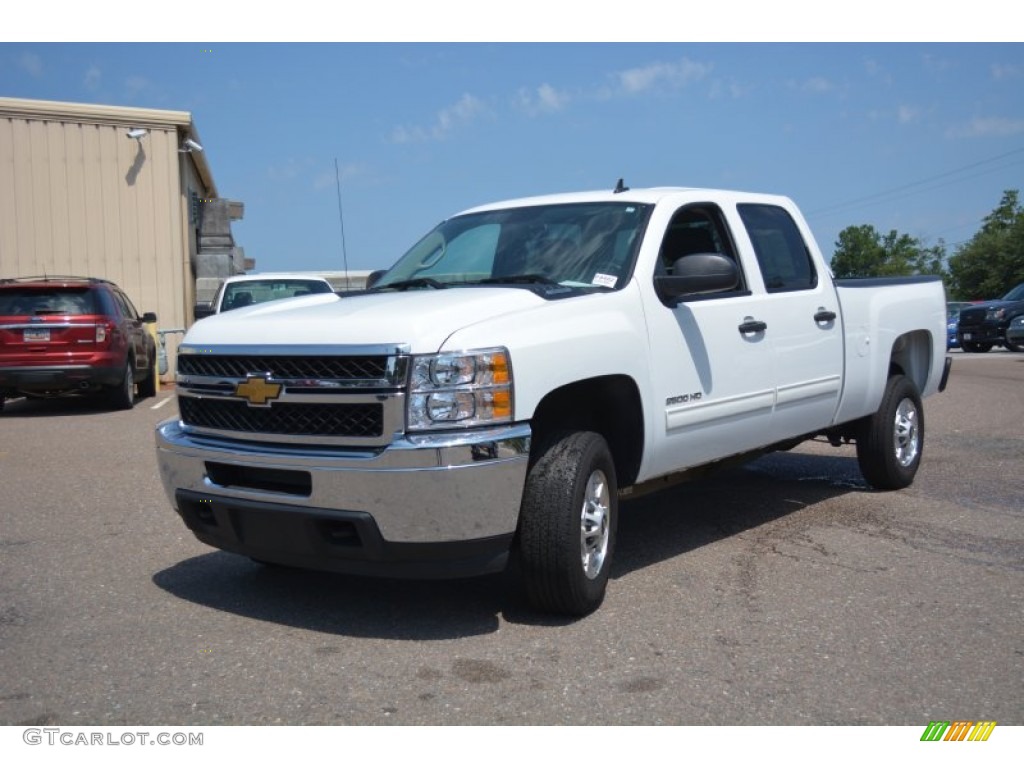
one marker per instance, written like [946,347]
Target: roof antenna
[341,221]
[620,187]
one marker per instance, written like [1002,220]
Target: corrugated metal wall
[78,198]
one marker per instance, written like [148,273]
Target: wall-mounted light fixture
[137,133]
[190,145]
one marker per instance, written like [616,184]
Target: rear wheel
[567,524]
[891,440]
[122,397]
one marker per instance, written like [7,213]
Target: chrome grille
[349,420]
[308,367]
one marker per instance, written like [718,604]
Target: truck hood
[981,308]
[421,319]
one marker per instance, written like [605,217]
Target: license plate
[37,334]
[967,337]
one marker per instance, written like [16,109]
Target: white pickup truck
[526,365]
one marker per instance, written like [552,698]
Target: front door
[712,364]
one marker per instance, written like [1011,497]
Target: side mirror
[697,274]
[374,277]
[149,317]
[204,310]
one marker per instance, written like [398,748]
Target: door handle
[824,315]
[753,326]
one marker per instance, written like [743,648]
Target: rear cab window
[782,255]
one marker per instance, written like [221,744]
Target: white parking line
[162,403]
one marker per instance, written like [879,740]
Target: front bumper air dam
[437,505]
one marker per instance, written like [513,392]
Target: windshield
[1017,294]
[246,292]
[580,245]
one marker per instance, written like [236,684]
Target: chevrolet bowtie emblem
[257,390]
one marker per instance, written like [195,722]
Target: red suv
[60,335]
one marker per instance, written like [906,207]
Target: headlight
[995,315]
[460,389]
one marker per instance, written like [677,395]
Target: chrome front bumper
[432,488]
[431,506]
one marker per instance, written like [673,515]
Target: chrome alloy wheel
[594,521]
[906,434]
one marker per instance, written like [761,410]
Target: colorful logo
[958,730]
[258,390]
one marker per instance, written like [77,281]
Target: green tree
[991,262]
[862,251]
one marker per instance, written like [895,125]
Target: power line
[887,194]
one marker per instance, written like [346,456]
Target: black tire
[122,397]
[891,441]
[1012,346]
[2,401]
[976,346]
[567,524]
[147,387]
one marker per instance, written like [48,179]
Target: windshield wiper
[416,282]
[531,278]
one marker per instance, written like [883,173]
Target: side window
[781,251]
[697,229]
[127,308]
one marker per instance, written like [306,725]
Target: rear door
[800,311]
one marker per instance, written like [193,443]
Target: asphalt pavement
[785,592]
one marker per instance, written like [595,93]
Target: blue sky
[919,137]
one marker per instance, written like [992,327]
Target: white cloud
[728,88]
[1006,71]
[663,74]
[462,112]
[874,69]
[816,85]
[936,65]
[544,99]
[408,135]
[92,78]
[31,63]
[907,114]
[135,85]
[981,127]
[328,178]
[288,170]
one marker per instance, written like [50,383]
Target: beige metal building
[114,192]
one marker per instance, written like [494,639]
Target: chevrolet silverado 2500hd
[523,366]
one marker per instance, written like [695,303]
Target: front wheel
[1012,346]
[976,346]
[147,387]
[567,524]
[891,440]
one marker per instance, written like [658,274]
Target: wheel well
[911,356]
[608,405]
